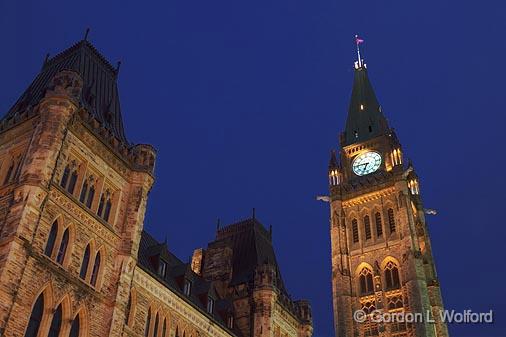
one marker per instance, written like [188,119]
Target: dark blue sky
[245,99]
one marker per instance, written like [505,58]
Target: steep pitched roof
[365,118]
[252,246]
[100,90]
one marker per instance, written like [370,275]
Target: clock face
[366,163]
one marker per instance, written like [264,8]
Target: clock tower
[381,254]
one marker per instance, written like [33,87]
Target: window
[367,227]
[162,268]
[366,283]
[379,228]
[164,327]
[74,329]
[86,261]
[54,329]
[88,192]
[63,247]
[105,205]
[96,269]
[392,280]
[35,317]
[210,305]
[230,322]
[369,306]
[391,220]
[354,229]
[187,289]
[148,323]
[51,239]
[155,330]
[69,177]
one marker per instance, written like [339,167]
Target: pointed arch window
[60,257]
[54,329]
[148,323]
[366,283]
[96,269]
[35,317]
[155,330]
[392,280]
[105,205]
[379,228]
[85,263]
[75,327]
[391,220]
[69,177]
[367,227]
[164,327]
[51,240]
[354,229]
[88,192]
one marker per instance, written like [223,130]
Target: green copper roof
[365,119]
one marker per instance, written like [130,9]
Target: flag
[358,40]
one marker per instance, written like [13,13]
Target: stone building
[381,253]
[74,258]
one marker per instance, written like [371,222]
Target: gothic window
[74,328]
[230,322]
[35,317]
[54,329]
[88,191]
[366,283]
[96,269]
[51,239]
[86,261]
[148,323]
[164,327]
[369,306]
[210,305]
[354,229]
[105,205]
[367,227]
[69,177]
[391,220]
[60,257]
[155,330]
[379,228]
[395,302]
[392,280]
[187,289]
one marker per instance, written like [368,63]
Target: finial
[358,41]
[45,60]
[118,65]
[253,215]
[86,34]
[218,223]
[270,230]
[165,240]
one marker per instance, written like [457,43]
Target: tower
[381,254]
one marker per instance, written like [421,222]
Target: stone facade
[381,255]
[73,194]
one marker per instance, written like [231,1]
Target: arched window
[354,229]
[96,269]
[35,317]
[91,194]
[104,207]
[72,182]
[366,283]
[51,239]
[84,192]
[391,220]
[155,329]
[392,280]
[164,327]
[63,247]
[88,192]
[148,323]
[367,227]
[177,332]
[379,228]
[54,329]
[65,177]
[86,261]
[74,328]
[69,177]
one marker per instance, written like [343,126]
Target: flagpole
[358,52]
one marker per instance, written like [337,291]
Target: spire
[365,118]
[333,160]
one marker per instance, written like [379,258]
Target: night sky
[245,99]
